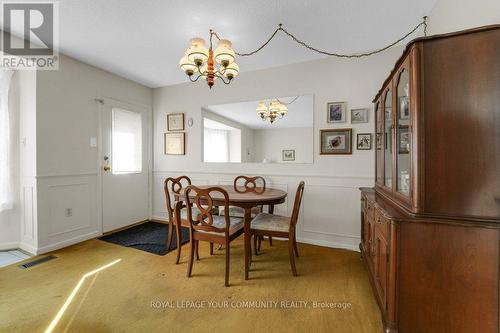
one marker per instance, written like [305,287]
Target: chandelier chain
[338,55]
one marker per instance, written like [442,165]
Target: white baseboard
[328,244]
[67,242]
[9,246]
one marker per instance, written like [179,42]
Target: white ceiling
[143,40]
[300,113]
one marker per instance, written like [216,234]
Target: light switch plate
[93,142]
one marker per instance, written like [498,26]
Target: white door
[125,163]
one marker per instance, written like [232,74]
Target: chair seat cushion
[271,222]
[238,211]
[236,224]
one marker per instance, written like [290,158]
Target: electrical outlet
[69,212]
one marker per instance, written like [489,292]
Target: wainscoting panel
[28,216]
[29,228]
[67,210]
[330,212]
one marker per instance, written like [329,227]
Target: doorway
[125,163]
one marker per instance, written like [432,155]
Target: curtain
[6,186]
[216,145]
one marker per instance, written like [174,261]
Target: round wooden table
[246,201]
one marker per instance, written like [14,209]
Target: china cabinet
[431,225]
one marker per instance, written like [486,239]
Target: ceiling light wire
[332,54]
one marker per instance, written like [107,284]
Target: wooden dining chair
[280,226]
[208,226]
[176,222]
[245,184]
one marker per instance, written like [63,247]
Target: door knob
[107,168]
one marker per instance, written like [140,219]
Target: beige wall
[454,15]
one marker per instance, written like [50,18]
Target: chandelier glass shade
[276,110]
[200,62]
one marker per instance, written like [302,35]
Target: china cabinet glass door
[379,153]
[388,144]
[403,134]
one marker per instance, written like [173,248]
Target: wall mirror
[243,132]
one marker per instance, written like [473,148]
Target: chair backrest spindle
[204,203]
[250,184]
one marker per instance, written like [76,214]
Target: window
[126,141]
[6,186]
[216,145]
[221,143]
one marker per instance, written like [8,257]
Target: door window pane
[126,141]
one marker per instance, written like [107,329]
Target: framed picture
[336,141]
[403,140]
[174,143]
[364,141]
[175,122]
[336,112]
[359,116]
[404,109]
[288,155]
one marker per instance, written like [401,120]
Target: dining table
[245,199]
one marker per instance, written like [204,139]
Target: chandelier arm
[338,55]
[191,78]
[200,72]
[222,78]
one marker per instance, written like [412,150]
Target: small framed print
[403,139]
[404,109]
[336,141]
[336,112]
[364,141]
[288,155]
[174,143]
[359,116]
[175,122]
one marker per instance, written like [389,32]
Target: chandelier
[276,110]
[198,62]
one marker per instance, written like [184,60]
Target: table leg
[248,249]
[271,211]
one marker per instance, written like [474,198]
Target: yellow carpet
[143,292]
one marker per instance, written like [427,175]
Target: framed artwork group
[174,140]
[339,140]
